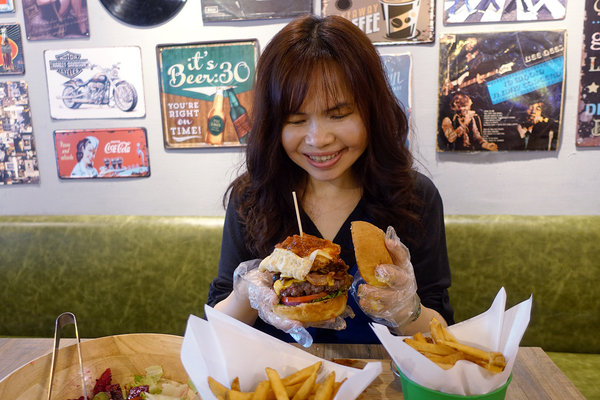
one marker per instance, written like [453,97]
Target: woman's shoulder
[424,185]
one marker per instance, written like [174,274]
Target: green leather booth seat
[555,259]
[126,274]
[117,274]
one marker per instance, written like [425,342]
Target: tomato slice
[289,300]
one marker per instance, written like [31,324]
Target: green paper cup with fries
[414,391]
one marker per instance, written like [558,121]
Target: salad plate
[126,356]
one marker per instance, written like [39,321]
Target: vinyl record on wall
[143,12]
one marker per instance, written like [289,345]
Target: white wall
[192,182]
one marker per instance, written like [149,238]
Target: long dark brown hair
[263,194]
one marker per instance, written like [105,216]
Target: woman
[327,126]
[86,152]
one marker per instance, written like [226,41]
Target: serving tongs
[64,319]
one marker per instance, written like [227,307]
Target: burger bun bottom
[314,312]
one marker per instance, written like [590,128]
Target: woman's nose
[318,135]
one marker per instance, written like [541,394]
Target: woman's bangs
[324,81]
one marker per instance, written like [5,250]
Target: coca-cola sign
[100,153]
[117,147]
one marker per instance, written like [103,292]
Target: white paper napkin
[494,330]
[225,348]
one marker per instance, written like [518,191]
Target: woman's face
[88,154]
[326,135]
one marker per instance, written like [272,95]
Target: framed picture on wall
[485,11]
[387,21]
[99,82]
[501,91]
[18,156]
[11,47]
[205,92]
[588,121]
[232,10]
[50,19]
[7,6]
[102,153]
[398,69]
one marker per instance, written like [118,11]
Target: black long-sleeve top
[429,259]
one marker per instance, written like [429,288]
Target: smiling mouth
[322,159]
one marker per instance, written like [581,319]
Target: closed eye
[341,111]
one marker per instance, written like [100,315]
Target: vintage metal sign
[7,6]
[485,11]
[50,19]
[398,68]
[231,10]
[501,91]
[11,47]
[100,82]
[387,21]
[102,153]
[588,123]
[206,92]
[18,156]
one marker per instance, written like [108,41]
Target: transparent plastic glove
[396,304]
[257,287]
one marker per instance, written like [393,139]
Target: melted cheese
[281,284]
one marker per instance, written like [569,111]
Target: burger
[309,278]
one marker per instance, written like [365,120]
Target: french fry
[419,337]
[326,388]
[261,391]
[336,387]
[438,332]
[237,395]
[446,362]
[306,387]
[276,384]
[292,389]
[302,374]
[433,348]
[218,389]
[445,350]
[300,385]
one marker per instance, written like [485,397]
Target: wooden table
[535,376]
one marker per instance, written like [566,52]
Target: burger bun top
[370,250]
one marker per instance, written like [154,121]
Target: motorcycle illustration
[104,87]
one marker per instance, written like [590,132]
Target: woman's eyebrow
[339,106]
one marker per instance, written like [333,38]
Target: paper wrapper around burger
[494,330]
[224,348]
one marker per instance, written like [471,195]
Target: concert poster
[588,122]
[18,156]
[11,47]
[235,10]
[501,91]
[102,153]
[206,92]
[398,69]
[387,22]
[494,11]
[99,82]
[7,6]
[52,20]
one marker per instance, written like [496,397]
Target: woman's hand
[396,304]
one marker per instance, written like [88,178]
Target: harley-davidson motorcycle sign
[101,82]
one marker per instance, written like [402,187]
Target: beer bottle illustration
[216,120]
[239,116]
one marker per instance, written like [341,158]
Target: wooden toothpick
[297,212]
